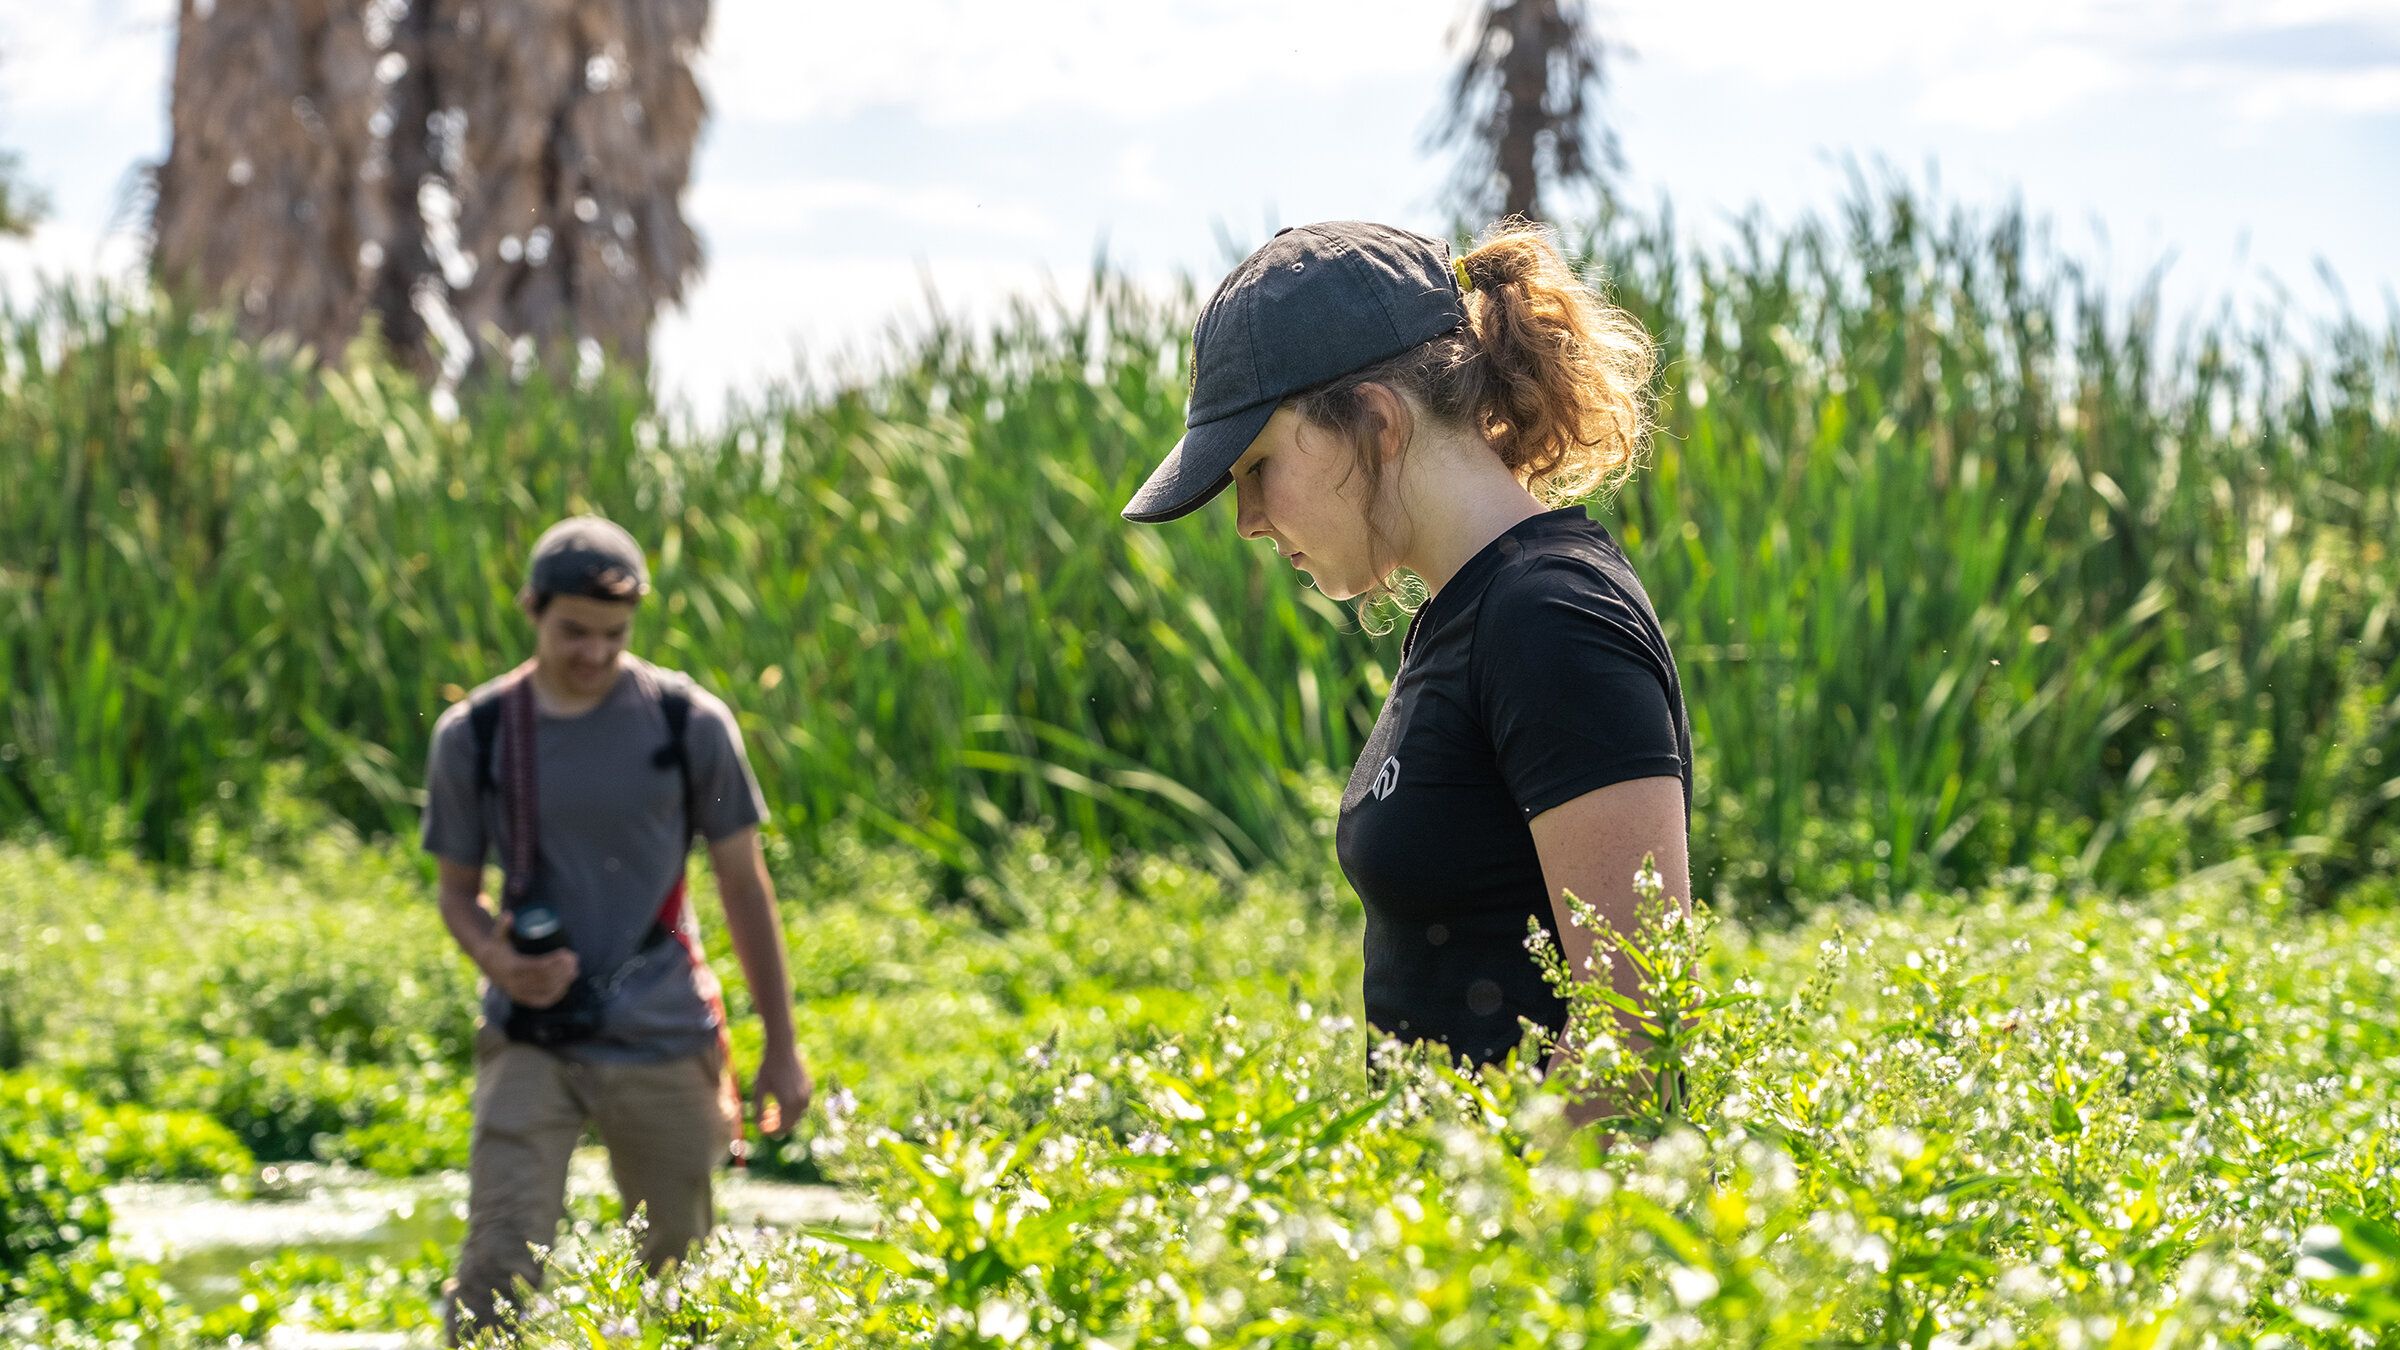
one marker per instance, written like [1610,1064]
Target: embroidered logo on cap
[1386,778]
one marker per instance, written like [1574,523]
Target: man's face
[578,641]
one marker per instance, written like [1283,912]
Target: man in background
[586,773]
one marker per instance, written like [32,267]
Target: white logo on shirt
[1386,778]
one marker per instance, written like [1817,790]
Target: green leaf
[1341,1126]
[891,1256]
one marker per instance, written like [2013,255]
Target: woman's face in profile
[1298,484]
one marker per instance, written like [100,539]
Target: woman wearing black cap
[1378,405]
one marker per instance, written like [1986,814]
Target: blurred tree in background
[1523,110]
[506,172]
[21,204]
[266,202]
[573,125]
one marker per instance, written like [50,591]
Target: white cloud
[2295,12]
[1138,179]
[1778,45]
[754,205]
[2026,89]
[2341,93]
[969,61]
[773,317]
[1786,44]
[104,60]
[1996,64]
[62,251]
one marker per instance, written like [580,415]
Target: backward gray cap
[573,554]
[1313,303]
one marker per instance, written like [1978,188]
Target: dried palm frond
[563,130]
[269,199]
[579,119]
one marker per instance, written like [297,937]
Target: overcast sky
[859,155]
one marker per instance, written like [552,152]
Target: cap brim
[1198,468]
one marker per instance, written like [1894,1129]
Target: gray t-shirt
[612,843]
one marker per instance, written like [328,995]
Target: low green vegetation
[1131,1106]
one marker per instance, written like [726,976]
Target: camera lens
[537,930]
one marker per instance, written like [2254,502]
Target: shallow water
[203,1240]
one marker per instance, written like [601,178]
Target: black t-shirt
[1536,675]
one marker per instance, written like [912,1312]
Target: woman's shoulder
[1566,594]
[1561,565]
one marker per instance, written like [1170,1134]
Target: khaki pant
[662,1124]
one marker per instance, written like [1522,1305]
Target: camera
[576,1016]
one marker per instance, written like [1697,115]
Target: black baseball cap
[1313,303]
[587,555]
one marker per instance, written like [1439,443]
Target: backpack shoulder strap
[675,704]
[483,724]
[674,692]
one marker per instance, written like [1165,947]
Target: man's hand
[782,1089]
[781,1092]
[529,981]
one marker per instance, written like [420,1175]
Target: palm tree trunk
[580,121]
[567,132]
[266,200]
[1524,83]
[408,272]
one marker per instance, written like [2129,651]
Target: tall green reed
[1971,568]
[1967,568]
